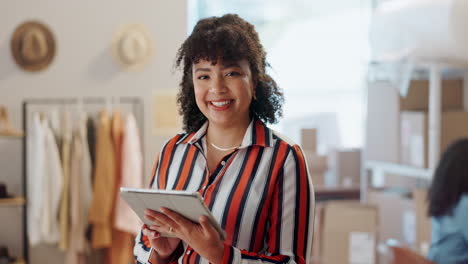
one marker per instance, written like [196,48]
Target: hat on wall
[132,46]
[33,46]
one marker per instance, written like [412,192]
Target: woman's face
[223,92]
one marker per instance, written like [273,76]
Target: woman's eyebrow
[203,69]
[229,65]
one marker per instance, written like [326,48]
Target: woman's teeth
[220,103]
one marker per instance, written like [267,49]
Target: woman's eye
[232,73]
[202,77]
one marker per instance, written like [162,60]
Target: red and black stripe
[277,160]
[186,173]
[234,200]
[249,177]
[166,161]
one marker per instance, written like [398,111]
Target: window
[319,53]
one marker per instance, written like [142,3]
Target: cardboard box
[316,162]
[318,178]
[315,257]
[345,164]
[414,134]
[318,165]
[384,104]
[418,96]
[348,233]
[396,216]
[309,139]
[403,218]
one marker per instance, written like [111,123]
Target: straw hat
[33,46]
[132,46]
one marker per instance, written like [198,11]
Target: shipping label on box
[361,248]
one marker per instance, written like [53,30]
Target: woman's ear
[254,89]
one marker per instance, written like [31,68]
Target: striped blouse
[260,193]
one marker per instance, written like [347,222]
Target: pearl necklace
[222,149]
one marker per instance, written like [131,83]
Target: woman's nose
[218,85]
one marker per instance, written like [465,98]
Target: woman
[254,182]
[448,206]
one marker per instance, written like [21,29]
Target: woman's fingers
[207,226]
[158,218]
[151,233]
[176,218]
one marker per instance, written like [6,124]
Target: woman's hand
[203,237]
[164,246]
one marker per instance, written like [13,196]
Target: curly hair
[450,179]
[228,38]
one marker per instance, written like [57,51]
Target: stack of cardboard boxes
[403,218]
[345,232]
[414,121]
[345,166]
[316,163]
[397,131]
[342,164]
[397,126]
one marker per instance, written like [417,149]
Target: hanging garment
[104,184]
[51,188]
[121,251]
[64,213]
[132,176]
[35,176]
[80,194]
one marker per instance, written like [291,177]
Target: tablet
[188,204]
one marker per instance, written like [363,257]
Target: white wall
[83,67]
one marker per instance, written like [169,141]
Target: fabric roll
[427,30]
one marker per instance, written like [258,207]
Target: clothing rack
[106,102]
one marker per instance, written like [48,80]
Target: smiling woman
[224,92]
[255,182]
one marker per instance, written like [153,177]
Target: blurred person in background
[448,206]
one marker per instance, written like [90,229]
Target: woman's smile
[220,105]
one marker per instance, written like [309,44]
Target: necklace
[222,149]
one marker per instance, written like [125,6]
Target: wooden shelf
[323,193]
[15,201]
[7,136]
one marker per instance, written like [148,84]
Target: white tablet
[188,204]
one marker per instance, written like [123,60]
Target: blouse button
[223,163]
